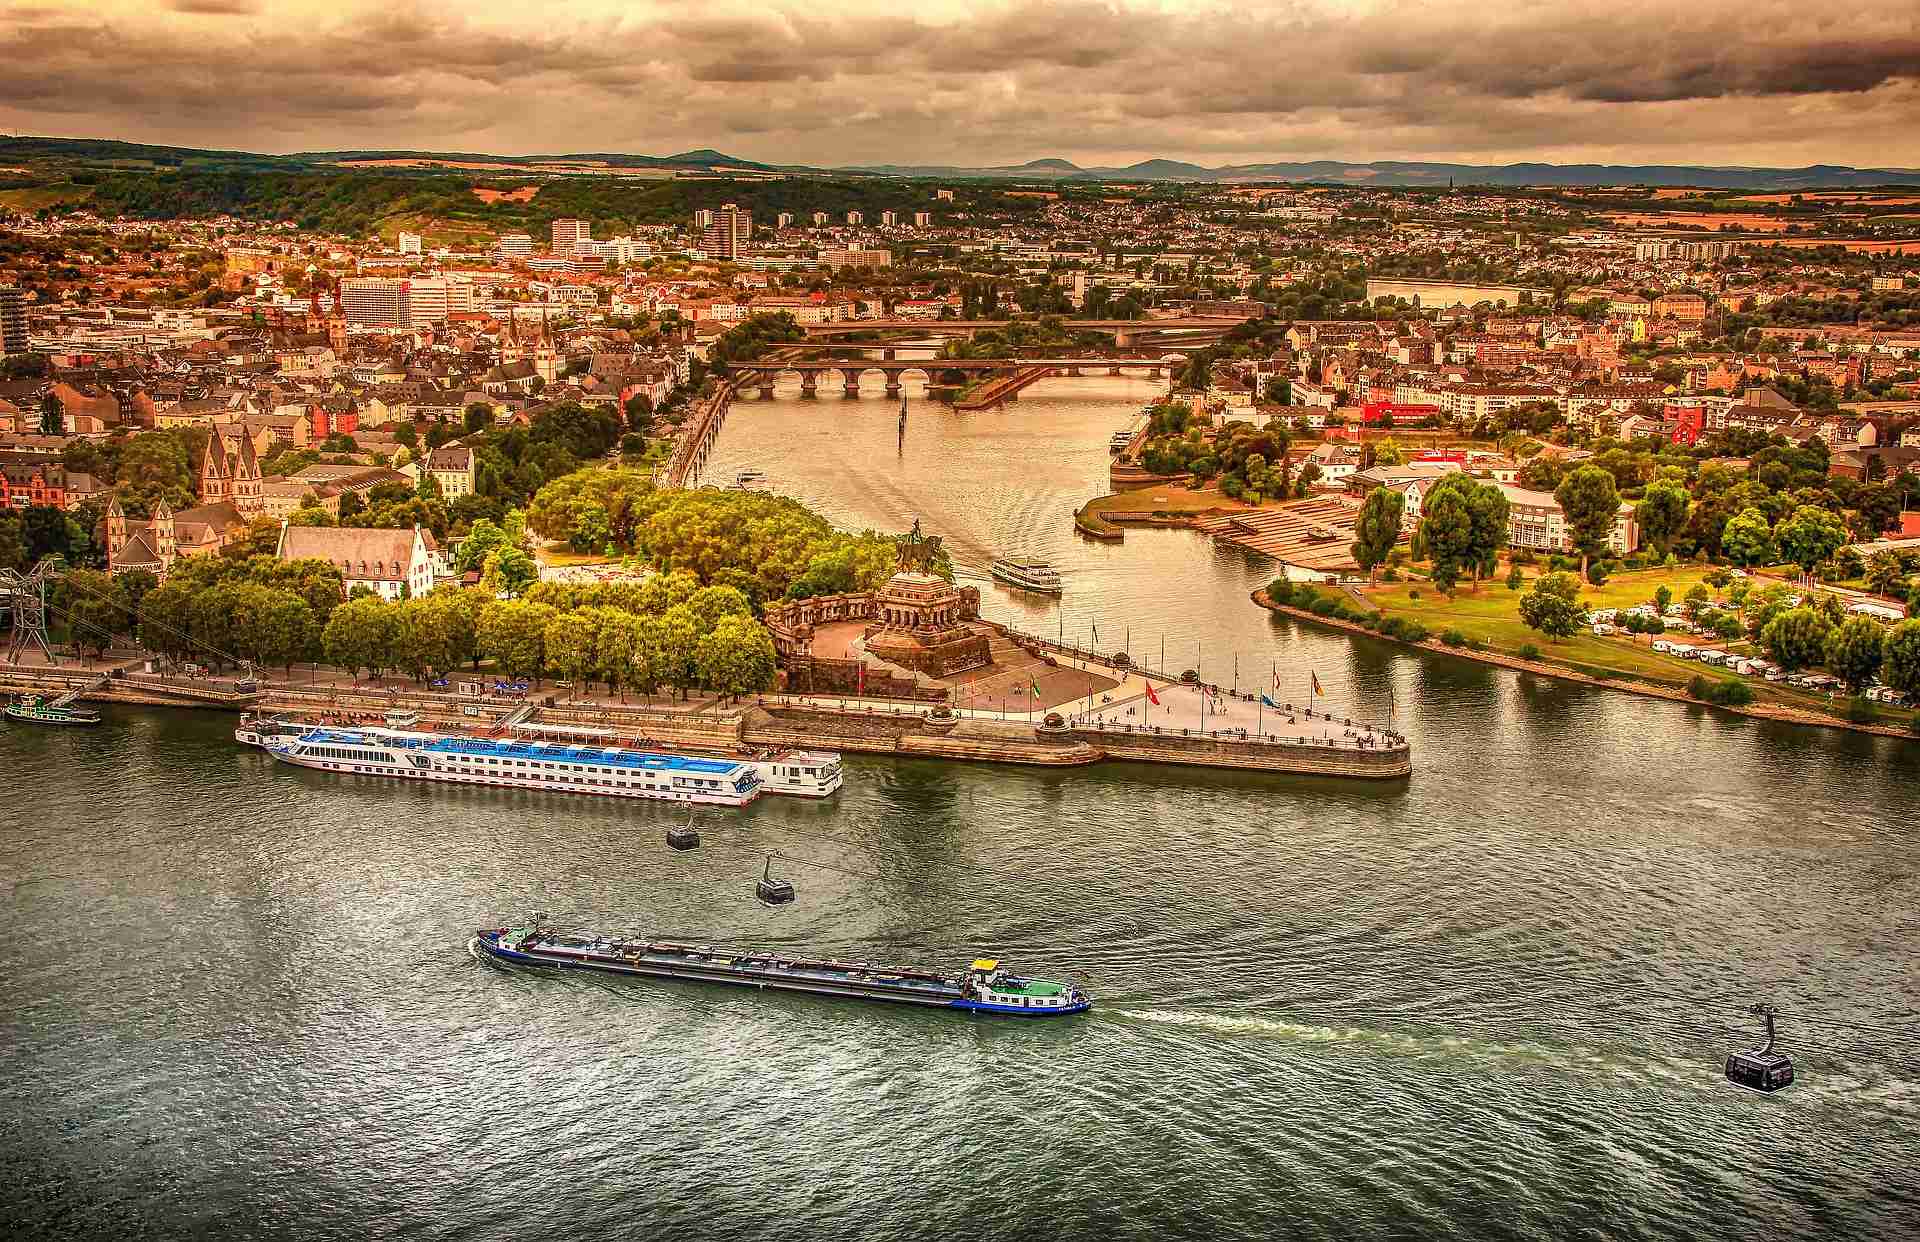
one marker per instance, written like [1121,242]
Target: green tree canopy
[1855,651]
[1590,504]
[1553,607]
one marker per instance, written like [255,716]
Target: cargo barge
[982,988]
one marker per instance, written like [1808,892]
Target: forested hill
[354,202]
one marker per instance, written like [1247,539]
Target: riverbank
[869,727]
[1562,672]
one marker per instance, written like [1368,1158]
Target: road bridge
[761,376]
[1190,329]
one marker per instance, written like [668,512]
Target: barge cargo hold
[982,988]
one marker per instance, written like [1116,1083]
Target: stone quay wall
[1247,755]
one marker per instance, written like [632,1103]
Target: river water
[1487,1002]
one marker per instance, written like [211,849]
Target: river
[1487,1002]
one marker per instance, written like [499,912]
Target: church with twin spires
[230,497]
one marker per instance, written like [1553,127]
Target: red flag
[1151,696]
[861,687]
[1316,684]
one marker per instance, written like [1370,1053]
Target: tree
[510,571]
[1490,509]
[1855,652]
[1662,514]
[1591,505]
[677,642]
[1885,575]
[639,412]
[569,639]
[1387,453]
[1810,535]
[166,620]
[616,643]
[1446,527]
[477,417]
[512,633]
[52,415]
[1553,607]
[1797,638]
[1748,540]
[95,610]
[1662,598]
[484,538]
[736,657]
[1378,529]
[286,629]
[1900,665]
[359,635]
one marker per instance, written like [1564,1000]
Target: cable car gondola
[683,837]
[771,891]
[1761,1069]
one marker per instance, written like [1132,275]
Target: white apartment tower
[567,236]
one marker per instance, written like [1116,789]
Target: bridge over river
[761,376]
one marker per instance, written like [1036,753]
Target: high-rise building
[923,219]
[784,220]
[888,219]
[820,219]
[409,243]
[728,233]
[13,320]
[513,246]
[427,302]
[374,301]
[854,217]
[702,218]
[567,236]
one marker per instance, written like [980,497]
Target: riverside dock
[1117,724]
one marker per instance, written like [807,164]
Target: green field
[1491,615]
[34,197]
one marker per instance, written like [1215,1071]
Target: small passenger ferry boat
[611,771]
[257,730]
[981,988]
[1036,576]
[802,773]
[34,709]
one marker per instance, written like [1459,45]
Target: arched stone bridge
[760,377]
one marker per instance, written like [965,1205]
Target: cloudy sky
[963,82]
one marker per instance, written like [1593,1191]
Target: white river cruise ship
[610,771]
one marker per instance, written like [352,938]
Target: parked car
[1601,629]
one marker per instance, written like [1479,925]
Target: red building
[1684,423]
[33,483]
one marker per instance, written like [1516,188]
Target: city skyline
[1767,84]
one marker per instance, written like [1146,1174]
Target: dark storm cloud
[998,82]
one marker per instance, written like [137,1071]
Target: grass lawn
[1150,500]
[1492,615]
[560,554]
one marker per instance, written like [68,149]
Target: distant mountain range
[1396,173]
[1399,173]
